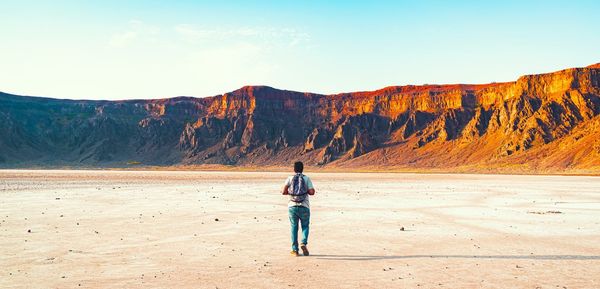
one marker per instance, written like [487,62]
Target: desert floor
[133,229]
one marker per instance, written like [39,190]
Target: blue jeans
[299,214]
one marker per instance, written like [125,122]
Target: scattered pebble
[543,213]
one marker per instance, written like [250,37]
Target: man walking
[298,187]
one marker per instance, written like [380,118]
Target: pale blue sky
[154,49]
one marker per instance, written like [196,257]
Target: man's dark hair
[298,167]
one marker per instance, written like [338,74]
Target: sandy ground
[119,229]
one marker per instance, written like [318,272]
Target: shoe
[295,253]
[304,250]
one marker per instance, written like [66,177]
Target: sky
[156,49]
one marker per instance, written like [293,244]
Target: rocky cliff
[539,123]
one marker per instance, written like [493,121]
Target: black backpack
[298,189]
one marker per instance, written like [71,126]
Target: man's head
[298,167]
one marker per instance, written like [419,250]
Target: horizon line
[591,66]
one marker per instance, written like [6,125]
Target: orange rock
[544,122]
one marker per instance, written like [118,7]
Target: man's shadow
[509,257]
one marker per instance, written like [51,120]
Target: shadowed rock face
[546,122]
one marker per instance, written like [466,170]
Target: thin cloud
[266,35]
[136,31]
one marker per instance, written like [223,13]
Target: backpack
[298,190]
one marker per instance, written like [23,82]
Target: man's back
[309,186]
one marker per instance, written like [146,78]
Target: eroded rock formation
[545,122]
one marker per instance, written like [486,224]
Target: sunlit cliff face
[539,122]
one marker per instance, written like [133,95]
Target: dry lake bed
[174,229]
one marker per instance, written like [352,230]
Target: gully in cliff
[298,187]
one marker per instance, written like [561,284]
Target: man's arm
[311,188]
[285,190]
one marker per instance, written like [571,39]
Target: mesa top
[309,185]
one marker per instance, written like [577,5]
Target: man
[298,187]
